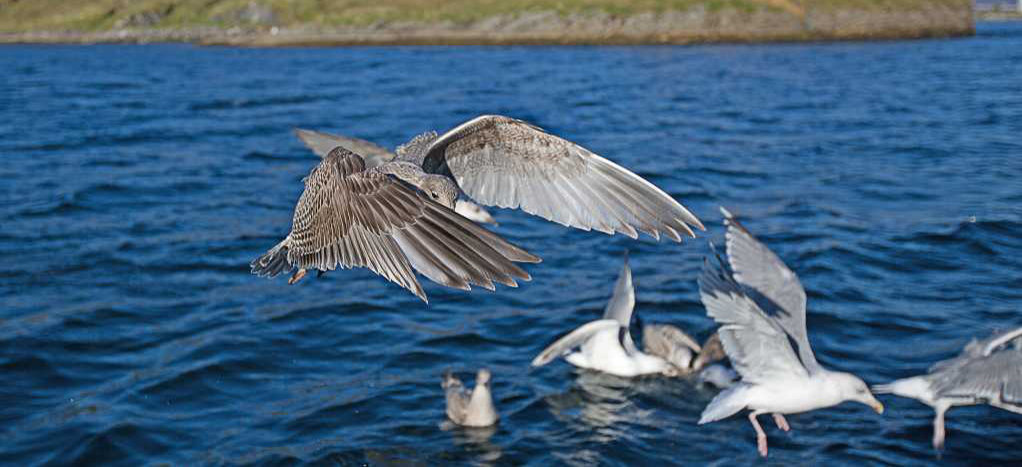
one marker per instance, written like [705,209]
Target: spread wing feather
[769,282]
[757,346]
[500,161]
[988,371]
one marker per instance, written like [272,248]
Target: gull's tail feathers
[726,404]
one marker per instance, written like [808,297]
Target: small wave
[243,103]
[265,156]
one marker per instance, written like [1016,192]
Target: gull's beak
[877,406]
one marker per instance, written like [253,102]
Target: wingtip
[727,214]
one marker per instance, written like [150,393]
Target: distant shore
[768,21]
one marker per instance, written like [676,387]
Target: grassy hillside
[20,16]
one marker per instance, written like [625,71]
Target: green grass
[99,15]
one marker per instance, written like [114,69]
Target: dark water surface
[139,181]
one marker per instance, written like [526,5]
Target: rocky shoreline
[670,27]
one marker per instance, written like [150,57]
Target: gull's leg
[938,426]
[298,275]
[781,422]
[761,441]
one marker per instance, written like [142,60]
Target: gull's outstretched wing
[573,339]
[774,287]
[352,217]
[987,371]
[322,143]
[757,346]
[500,161]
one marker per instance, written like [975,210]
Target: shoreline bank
[696,25]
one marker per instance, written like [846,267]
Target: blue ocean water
[139,181]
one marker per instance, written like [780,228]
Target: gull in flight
[375,155]
[987,371]
[398,217]
[470,408]
[761,307]
[606,344]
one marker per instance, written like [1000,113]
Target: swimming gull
[761,305]
[986,372]
[470,408]
[606,344]
[396,217]
[322,143]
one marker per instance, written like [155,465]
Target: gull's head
[854,389]
[440,189]
[483,377]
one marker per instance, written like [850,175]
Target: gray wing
[573,339]
[350,217]
[622,303]
[987,371]
[774,287]
[500,161]
[322,143]
[757,346]
[669,343]
[457,397]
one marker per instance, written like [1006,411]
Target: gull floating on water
[761,307]
[606,344]
[375,155]
[398,217]
[470,408]
[986,372]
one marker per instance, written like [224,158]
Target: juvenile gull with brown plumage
[987,371]
[397,217]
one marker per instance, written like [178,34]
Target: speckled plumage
[492,159]
[349,216]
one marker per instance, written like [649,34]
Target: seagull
[399,216]
[761,307]
[606,344]
[375,155]
[686,356]
[470,408]
[986,372]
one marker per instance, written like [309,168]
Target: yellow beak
[877,406]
